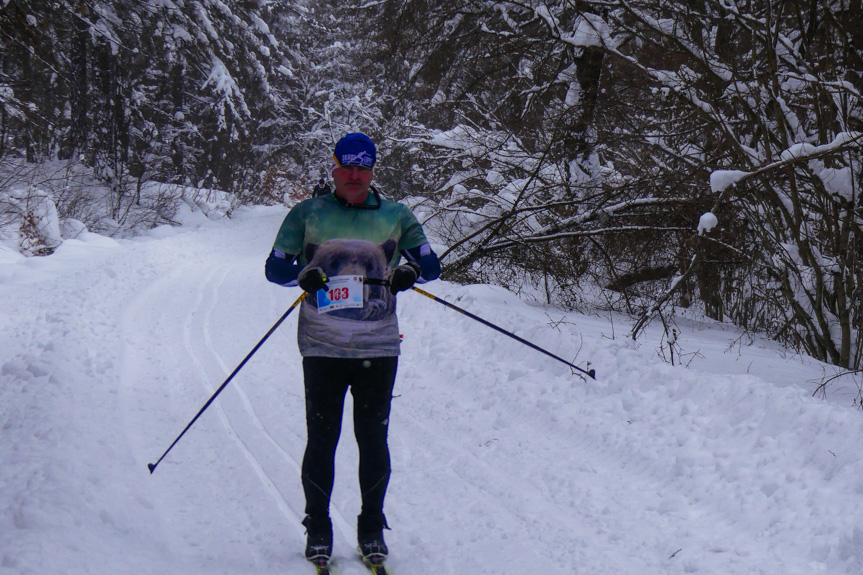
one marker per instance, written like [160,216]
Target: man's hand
[404,277]
[312,279]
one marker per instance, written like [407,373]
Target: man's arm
[428,261]
[281,268]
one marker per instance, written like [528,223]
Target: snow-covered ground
[504,461]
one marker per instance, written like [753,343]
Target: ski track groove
[340,523]
[266,480]
[196,313]
[238,386]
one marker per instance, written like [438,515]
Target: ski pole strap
[590,373]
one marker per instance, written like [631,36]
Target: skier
[353,231]
[322,188]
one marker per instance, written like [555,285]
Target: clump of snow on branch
[706,223]
[590,31]
[721,179]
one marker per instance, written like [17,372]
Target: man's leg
[372,390]
[326,384]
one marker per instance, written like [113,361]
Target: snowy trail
[192,351]
[504,462]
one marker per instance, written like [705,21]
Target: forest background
[644,156]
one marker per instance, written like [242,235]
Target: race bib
[344,292]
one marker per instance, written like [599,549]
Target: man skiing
[322,188]
[329,240]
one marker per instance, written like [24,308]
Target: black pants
[371,383]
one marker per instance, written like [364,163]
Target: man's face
[352,183]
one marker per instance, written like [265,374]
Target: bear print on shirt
[357,257]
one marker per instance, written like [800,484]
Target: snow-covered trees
[498,101]
[186,91]
[570,140]
[773,90]
[333,91]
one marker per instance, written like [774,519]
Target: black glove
[404,276]
[312,279]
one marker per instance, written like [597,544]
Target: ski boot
[319,539]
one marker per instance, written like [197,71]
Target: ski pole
[590,373]
[152,466]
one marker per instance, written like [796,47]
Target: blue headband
[355,149]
